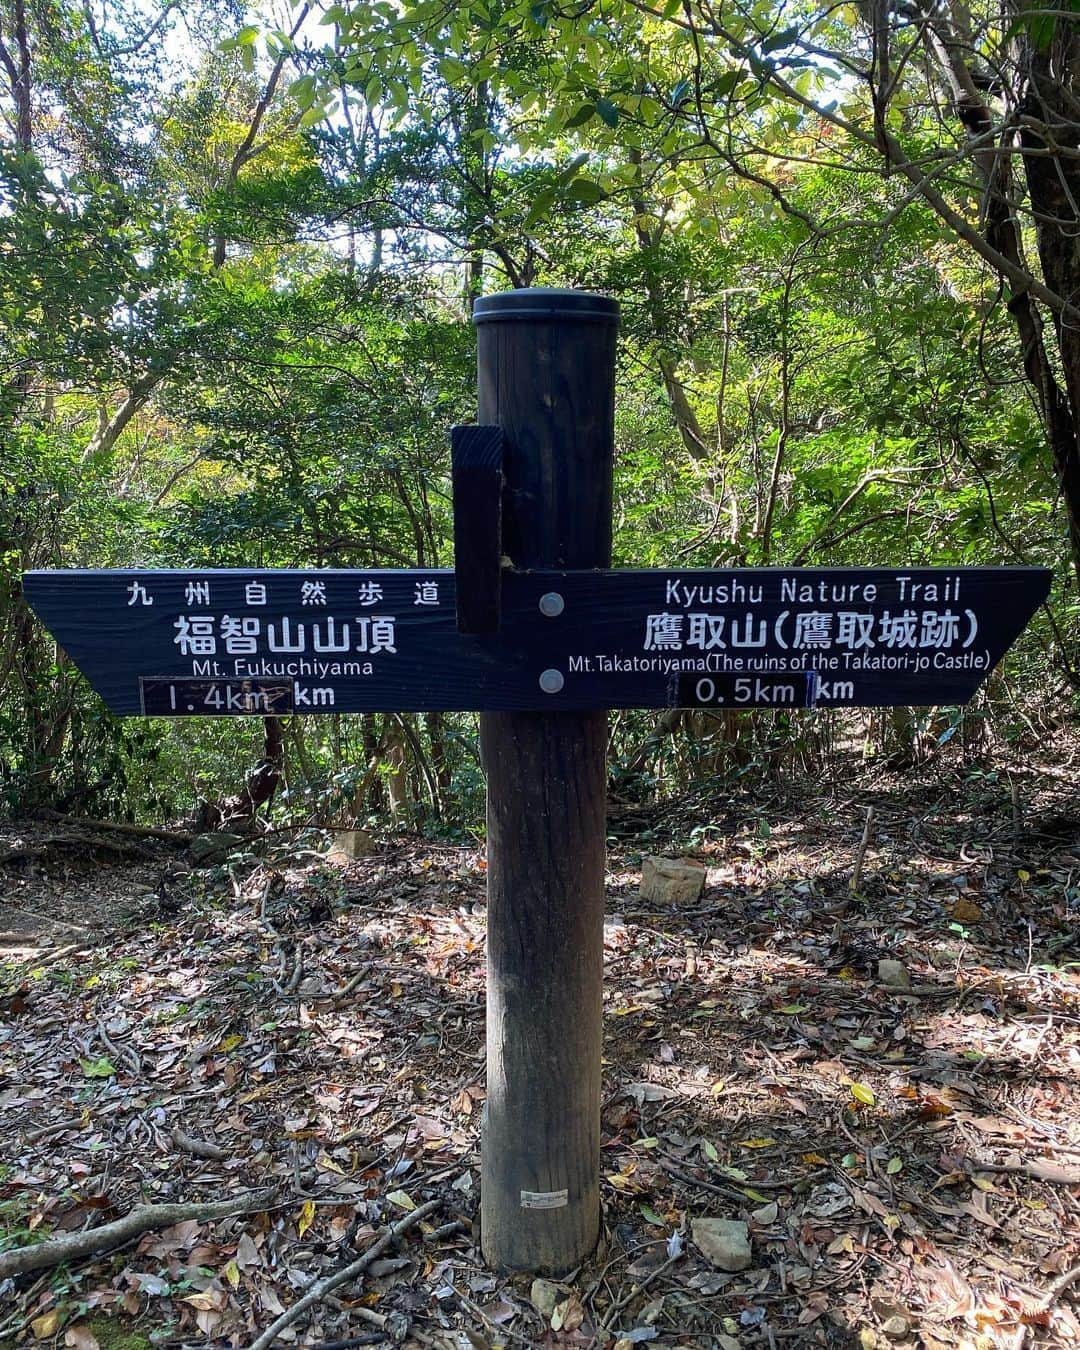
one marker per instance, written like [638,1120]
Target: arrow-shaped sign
[223,643]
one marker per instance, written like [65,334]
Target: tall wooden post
[546,363]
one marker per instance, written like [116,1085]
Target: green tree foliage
[237,264]
[965,111]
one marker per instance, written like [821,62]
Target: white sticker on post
[544,1199]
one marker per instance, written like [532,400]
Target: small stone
[893,974]
[896,1328]
[725,1243]
[966,911]
[207,850]
[671,881]
[349,845]
[828,1200]
[313,987]
[545,1296]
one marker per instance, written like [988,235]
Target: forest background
[238,255]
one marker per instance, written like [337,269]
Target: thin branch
[319,1291]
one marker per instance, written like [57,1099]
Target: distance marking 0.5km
[808,690]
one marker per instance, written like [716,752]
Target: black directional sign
[234,643]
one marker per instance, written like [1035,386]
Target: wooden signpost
[532,630]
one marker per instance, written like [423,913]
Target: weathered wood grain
[548,381]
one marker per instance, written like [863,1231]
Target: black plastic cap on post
[539,303]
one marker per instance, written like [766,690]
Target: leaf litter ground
[906,1159]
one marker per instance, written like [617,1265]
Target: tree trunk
[440,761]
[396,780]
[261,785]
[1053,183]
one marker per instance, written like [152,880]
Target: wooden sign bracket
[477,471]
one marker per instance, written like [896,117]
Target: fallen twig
[142,1219]
[290,987]
[20,852]
[728,1192]
[1050,1172]
[346,989]
[140,831]
[53,958]
[198,1148]
[860,856]
[447,1230]
[44,918]
[46,1131]
[369,1338]
[350,1272]
[635,1289]
[122,1052]
[1057,1288]
[41,847]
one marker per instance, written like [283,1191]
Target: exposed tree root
[142,1219]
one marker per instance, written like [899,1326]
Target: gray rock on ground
[545,1297]
[893,974]
[724,1243]
[671,881]
[207,850]
[349,845]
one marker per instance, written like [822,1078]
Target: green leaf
[584,114]
[540,206]
[727,82]
[97,1068]
[608,111]
[778,40]
[303,90]
[1041,28]
[586,191]
[571,169]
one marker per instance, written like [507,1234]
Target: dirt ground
[906,1158]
